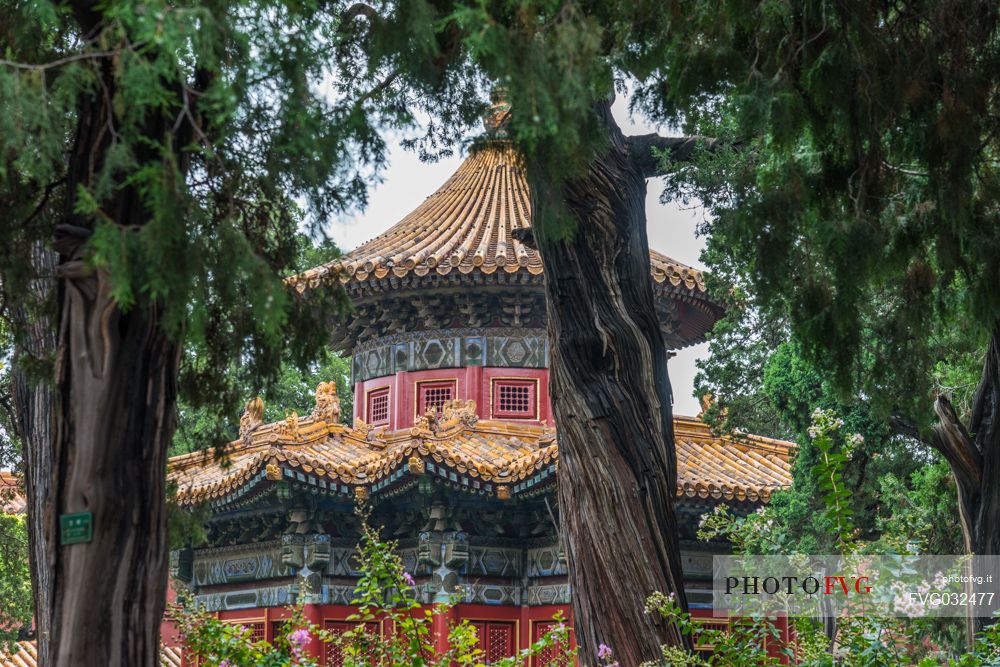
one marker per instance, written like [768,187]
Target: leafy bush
[15,583]
[858,641]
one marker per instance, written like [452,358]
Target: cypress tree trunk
[116,377]
[115,385]
[35,401]
[985,424]
[612,401]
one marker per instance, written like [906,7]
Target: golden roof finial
[327,403]
[253,417]
[289,427]
[706,403]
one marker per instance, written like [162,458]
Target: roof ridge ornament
[455,413]
[251,419]
[288,428]
[498,115]
[370,434]
[327,407]
[462,411]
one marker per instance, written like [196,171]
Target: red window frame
[332,655]
[496,639]
[538,630]
[371,397]
[433,391]
[523,393]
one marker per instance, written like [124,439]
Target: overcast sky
[407,181]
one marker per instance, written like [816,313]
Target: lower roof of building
[26,655]
[493,458]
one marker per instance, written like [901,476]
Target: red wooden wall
[474,382]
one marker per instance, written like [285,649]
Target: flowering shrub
[858,641]
[217,643]
[385,595]
[743,645]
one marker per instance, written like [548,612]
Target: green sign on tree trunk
[76,528]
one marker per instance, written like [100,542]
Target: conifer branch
[680,149]
[92,55]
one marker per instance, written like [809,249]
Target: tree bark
[985,424]
[35,401]
[973,454]
[612,401]
[115,379]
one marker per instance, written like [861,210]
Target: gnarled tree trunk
[974,457]
[612,401]
[115,380]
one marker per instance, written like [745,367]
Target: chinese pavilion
[453,443]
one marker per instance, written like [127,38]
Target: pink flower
[408,579]
[225,663]
[300,637]
[604,652]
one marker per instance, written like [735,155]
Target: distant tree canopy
[294,387]
[860,201]
[858,206]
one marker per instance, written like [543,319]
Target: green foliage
[10,443]
[742,645]
[385,595]
[765,384]
[16,607]
[914,514]
[860,640]
[827,471]
[859,201]
[819,513]
[214,143]
[216,643]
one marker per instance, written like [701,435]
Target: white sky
[407,181]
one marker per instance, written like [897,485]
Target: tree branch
[907,428]
[953,441]
[38,67]
[680,149]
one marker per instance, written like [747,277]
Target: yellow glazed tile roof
[26,655]
[486,454]
[468,225]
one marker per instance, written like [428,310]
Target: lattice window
[549,655]
[257,629]
[515,399]
[702,644]
[333,656]
[378,407]
[278,629]
[496,640]
[433,395]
